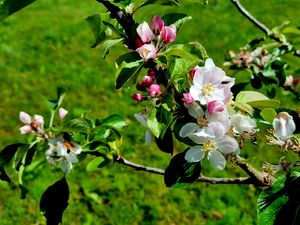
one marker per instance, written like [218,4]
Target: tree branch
[211,180]
[251,18]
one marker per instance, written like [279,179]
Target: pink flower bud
[188,99]
[140,86]
[138,97]
[154,90]
[157,24]
[144,32]
[38,120]
[168,34]
[26,129]
[62,113]
[147,51]
[193,71]
[151,73]
[25,118]
[147,81]
[215,106]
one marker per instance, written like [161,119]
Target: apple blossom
[154,90]
[31,126]
[211,83]
[215,106]
[157,24]
[284,126]
[243,123]
[144,32]
[64,151]
[147,51]
[168,34]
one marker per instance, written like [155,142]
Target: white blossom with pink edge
[147,51]
[144,32]
[243,123]
[284,126]
[157,24]
[214,146]
[211,83]
[168,34]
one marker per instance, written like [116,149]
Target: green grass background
[47,44]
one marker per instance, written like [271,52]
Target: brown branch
[251,18]
[211,180]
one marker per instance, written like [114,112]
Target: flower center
[69,145]
[202,122]
[208,146]
[207,89]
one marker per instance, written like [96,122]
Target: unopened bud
[138,97]
[154,90]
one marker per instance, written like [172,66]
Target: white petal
[195,110]
[216,159]
[284,125]
[197,139]
[61,149]
[76,149]
[188,129]
[71,158]
[227,144]
[209,63]
[66,166]
[195,92]
[26,129]
[25,118]
[194,154]
[39,119]
[142,118]
[62,113]
[148,137]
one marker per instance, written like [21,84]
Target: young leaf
[268,114]
[181,173]
[8,7]
[178,19]
[97,163]
[107,45]
[128,72]
[115,121]
[54,201]
[180,67]
[279,204]
[54,104]
[76,125]
[94,22]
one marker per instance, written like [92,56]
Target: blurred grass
[47,45]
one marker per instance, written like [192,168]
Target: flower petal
[227,144]
[38,119]
[148,137]
[26,129]
[66,166]
[194,154]
[71,158]
[188,129]
[195,110]
[216,159]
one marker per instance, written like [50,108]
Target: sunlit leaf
[8,7]
[107,45]
[268,114]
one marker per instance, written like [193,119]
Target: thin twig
[251,18]
[211,180]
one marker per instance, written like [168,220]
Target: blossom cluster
[60,150]
[151,39]
[216,128]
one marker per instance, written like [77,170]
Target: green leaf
[76,125]
[8,7]
[250,96]
[54,201]
[121,3]
[181,173]
[180,67]
[115,29]
[54,104]
[94,22]
[97,163]
[183,51]
[161,2]
[279,204]
[128,57]
[291,30]
[178,19]
[268,114]
[107,45]
[115,121]
[159,120]
[265,104]
[127,73]
[165,143]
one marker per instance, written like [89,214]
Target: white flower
[147,51]
[142,118]
[64,151]
[284,126]
[243,123]
[214,146]
[144,32]
[211,83]
[288,81]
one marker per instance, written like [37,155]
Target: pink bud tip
[193,71]
[157,24]
[188,99]
[168,34]
[62,113]
[215,106]
[154,90]
[151,73]
[138,97]
[147,81]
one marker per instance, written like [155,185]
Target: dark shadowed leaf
[24,191]
[181,173]
[54,201]
[54,104]
[280,204]
[178,19]
[165,143]
[8,7]
[76,125]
